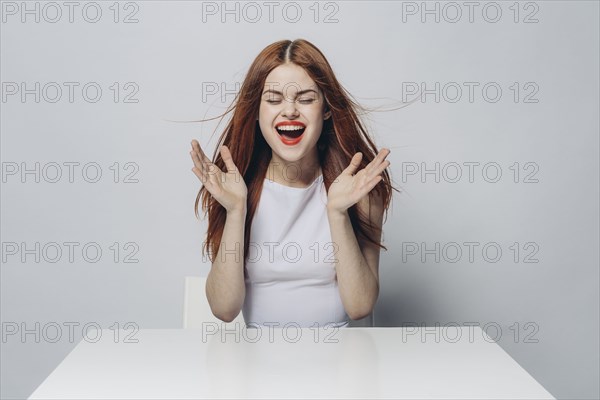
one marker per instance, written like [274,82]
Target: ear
[327,114]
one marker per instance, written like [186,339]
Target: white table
[364,363]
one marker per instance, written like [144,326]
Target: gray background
[170,52]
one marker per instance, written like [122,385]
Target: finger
[377,160]
[198,168]
[354,164]
[227,159]
[199,174]
[369,186]
[207,169]
[376,180]
[197,162]
[196,147]
[200,160]
[372,183]
[381,168]
[203,163]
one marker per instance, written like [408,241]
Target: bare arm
[357,263]
[225,286]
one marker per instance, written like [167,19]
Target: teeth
[290,127]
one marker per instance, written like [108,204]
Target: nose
[289,109]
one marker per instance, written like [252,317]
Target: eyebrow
[300,93]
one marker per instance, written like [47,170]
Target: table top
[212,362]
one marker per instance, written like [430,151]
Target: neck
[300,173]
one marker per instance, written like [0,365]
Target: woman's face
[291,113]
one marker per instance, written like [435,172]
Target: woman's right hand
[228,188]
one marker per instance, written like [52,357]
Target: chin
[286,156]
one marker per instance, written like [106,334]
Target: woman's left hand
[349,188]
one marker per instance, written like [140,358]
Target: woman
[298,181]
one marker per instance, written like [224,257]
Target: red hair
[343,135]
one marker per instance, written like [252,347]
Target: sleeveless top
[291,277]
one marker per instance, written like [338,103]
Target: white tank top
[291,271]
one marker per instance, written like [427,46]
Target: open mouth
[290,132]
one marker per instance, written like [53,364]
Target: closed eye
[303,101]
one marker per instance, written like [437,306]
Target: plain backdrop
[531,278]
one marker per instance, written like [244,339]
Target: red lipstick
[290,132]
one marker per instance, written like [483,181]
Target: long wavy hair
[343,135]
